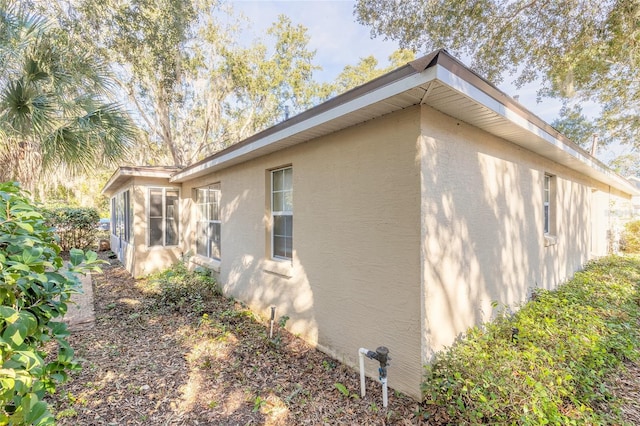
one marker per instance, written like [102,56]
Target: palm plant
[55,112]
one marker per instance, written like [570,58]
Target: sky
[339,40]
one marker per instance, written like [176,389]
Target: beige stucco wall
[482,226]
[355,276]
[136,256]
[149,259]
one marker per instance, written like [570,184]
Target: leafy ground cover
[555,361]
[170,351]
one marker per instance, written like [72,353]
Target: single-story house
[392,215]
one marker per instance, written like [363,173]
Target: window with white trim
[282,213]
[208,226]
[549,213]
[122,216]
[163,216]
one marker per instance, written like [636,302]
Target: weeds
[182,290]
[344,391]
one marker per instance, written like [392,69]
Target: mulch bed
[144,364]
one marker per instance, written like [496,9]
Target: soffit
[511,125]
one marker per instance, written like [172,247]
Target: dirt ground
[145,365]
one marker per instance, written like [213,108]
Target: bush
[34,291]
[182,290]
[548,363]
[631,237]
[75,227]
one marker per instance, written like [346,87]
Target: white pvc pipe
[363,390]
[384,392]
[361,354]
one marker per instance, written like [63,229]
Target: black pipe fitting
[382,356]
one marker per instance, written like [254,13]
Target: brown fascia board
[126,172]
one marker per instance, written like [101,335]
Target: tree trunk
[164,119]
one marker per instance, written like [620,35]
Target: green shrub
[34,291]
[75,227]
[631,237]
[548,363]
[182,290]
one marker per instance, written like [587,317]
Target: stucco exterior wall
[483,226]
[135,255]
[150,259]
[354,280]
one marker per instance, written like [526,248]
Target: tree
[195,90]
[573,124]
[367,69]
[627,165]
[271,84]
[587,50]
[54,107]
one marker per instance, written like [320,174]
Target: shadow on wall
[155,259]
[259,282]
[482,216]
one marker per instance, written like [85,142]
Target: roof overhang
[123,174]
[437,80]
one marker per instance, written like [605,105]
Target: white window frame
[279,211]
[163,217]
[214,190]
[548,212]
[122,215]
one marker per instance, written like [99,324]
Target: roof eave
[439,67]
[123,173]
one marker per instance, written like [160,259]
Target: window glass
[208,241]
[171,217]
[164,219]
[282,213]
[547,204]
[122,216]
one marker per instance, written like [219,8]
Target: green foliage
[75,227]
[258,403]
[553,369]
[54,108]
[282,321]
[195,87]
[342,389]
[35,288]
[345,391]
[579,51]
[367,69]
[574,125]
[631,237]
[182,290]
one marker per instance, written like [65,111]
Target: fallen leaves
[143,365]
